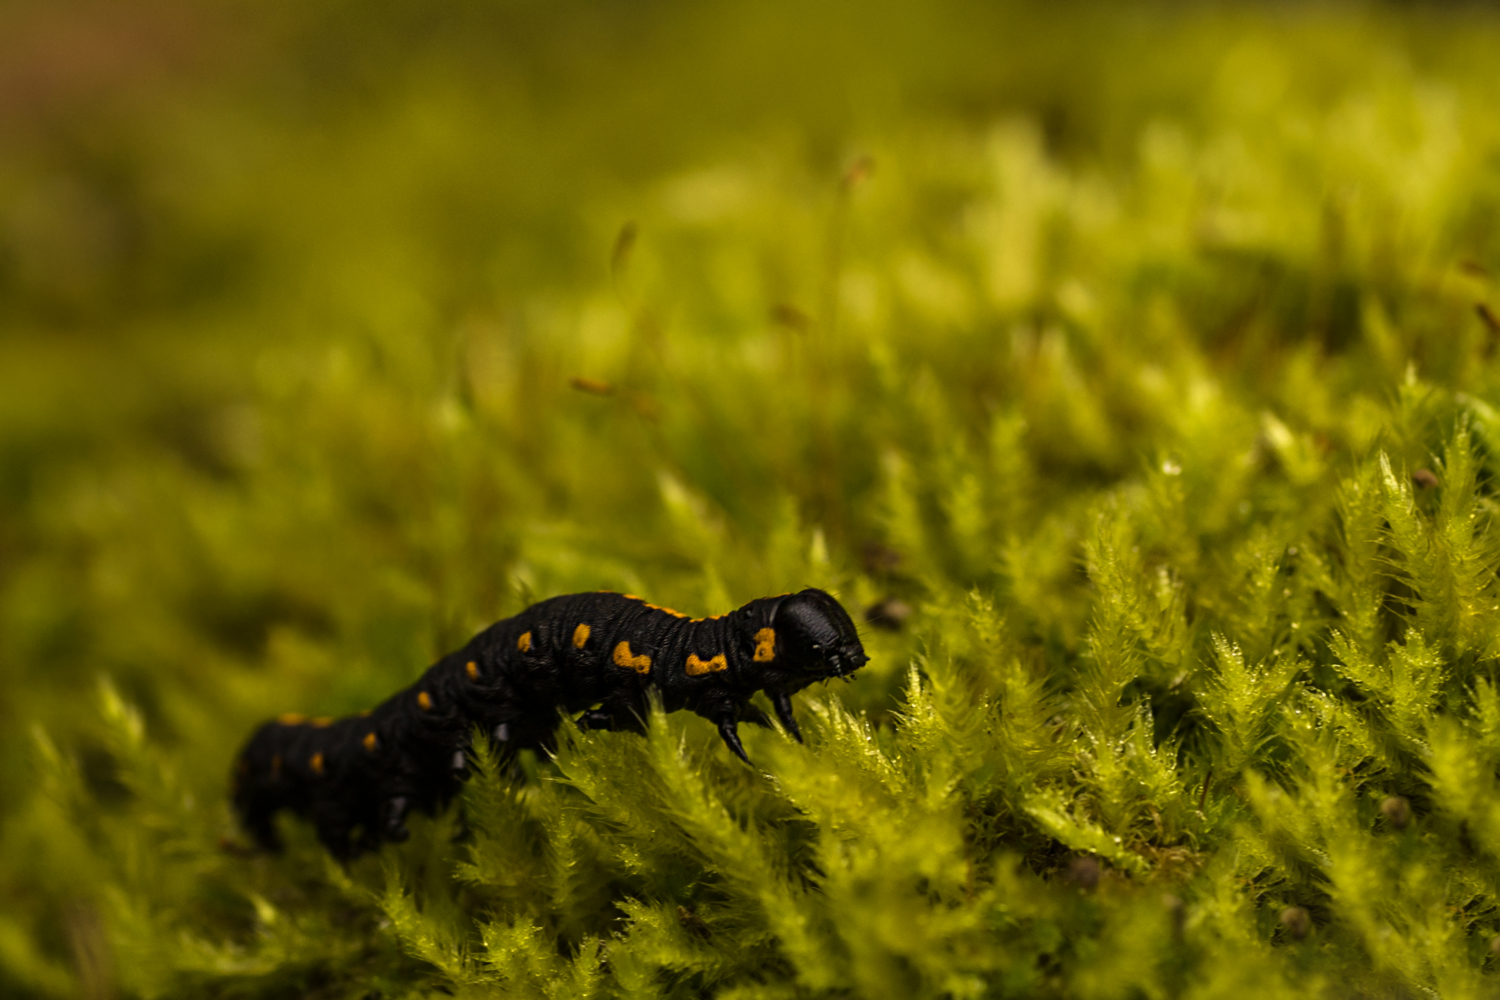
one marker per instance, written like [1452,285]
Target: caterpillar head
[814,635]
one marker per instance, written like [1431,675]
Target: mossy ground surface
[1147,355]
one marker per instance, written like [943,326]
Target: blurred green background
[332,331]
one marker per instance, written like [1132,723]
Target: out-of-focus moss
[1137,362]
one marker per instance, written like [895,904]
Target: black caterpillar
[358,777]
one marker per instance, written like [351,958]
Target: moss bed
[1130,372]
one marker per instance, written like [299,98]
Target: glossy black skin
[361,796]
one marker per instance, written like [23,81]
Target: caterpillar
[599,654]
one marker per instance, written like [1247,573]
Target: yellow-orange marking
[276,767]
[323,721]
[524,643]
[671,611]
[765,645]
[291,719]
[697,667]
[580,636]
[316,763]
[371,742]
[623,658]
[425,700]
[657,607]
[472,669]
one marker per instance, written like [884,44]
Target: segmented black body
[599,654]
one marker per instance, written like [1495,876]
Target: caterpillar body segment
[597,656]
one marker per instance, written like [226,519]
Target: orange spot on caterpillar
[580,636]
[276,767]
[425,700]
[472,669]
[657,607]
[316,763]
[623,658]
[697,667]
[671,611]
[291,719]
[765,645]
[323,721]
[371,742]
[524,643]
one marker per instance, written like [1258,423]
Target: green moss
[1145,357]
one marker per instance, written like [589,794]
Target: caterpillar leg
[615,718]
[396,809]
[596,718]
[334,828]
[260,822]
[753,715]
[731,733]
[782,702]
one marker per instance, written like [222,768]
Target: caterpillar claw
[730,731]
[395,819]
[782,702]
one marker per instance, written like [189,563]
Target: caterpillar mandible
[600,654]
